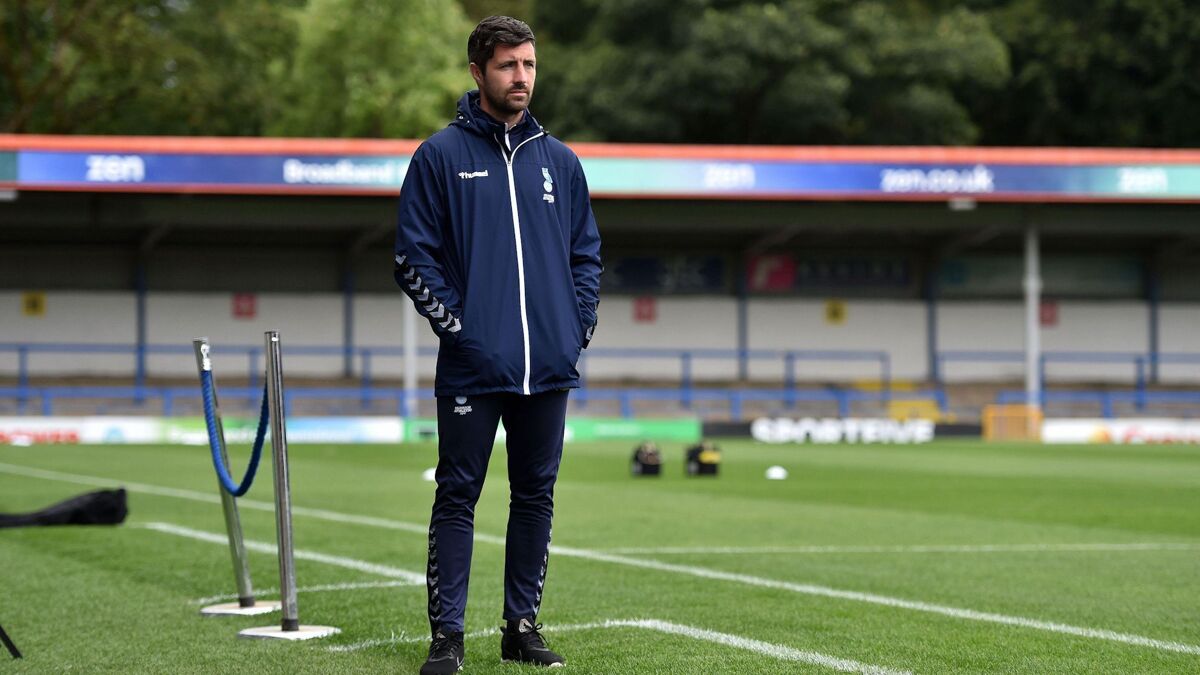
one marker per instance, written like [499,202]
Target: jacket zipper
[512,196]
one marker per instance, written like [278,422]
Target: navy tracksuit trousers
[466,433]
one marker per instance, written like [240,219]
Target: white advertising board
[1148,430]
[191,430]
[832,430]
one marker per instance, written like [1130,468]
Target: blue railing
[686,394]
[252,354]
[1106,400]
[787,359]
[1140,363]
[46,398]
[735,399]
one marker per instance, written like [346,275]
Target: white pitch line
[300,554]
[933,548]
[780,652]
[196,496]
[701,572]
[322,588]
[825,591]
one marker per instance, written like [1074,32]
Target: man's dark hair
[492,31]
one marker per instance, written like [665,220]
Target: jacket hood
[472,118]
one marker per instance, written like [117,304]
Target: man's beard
[501,103]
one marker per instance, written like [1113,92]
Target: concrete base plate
[235,609]
[277,633]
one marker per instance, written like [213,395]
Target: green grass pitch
[949,557]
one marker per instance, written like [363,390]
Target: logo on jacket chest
[547,181]
[548,186]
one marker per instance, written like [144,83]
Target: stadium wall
[896,327]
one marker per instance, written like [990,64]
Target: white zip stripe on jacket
[512,195]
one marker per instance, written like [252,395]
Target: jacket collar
[472,118]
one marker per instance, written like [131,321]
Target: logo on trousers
[461,408]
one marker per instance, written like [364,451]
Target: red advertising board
[245,305]
[771,273]
[645,309]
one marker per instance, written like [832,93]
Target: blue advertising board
[627,171]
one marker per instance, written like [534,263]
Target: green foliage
[1110,72]
[477,10]
[379,69]
[799,71]
[231,67]
[996,72]
[139,66]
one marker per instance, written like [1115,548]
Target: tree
[1096,72]
[477,10]
[139,66]
[797,71]
[380,69]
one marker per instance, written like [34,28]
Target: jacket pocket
[586,330]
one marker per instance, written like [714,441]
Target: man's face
[507,84]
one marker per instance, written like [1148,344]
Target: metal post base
[236,609]
[278,633]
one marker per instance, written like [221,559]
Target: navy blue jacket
[497,246]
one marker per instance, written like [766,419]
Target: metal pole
[931,324]
[1033,337]
[139,376]
[140,352]
[22,377]
[348,322]
[743,333]
[1152,304]
[410,361]
[685,376]
[233,523]
[283,496]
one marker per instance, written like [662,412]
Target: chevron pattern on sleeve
[427,304]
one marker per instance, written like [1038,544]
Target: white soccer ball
[430,475]
[776,473]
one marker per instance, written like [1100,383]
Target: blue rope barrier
[210,420]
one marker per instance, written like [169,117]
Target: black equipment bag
[702,459]
[102,507]
[647,460]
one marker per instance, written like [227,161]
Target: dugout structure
[143,214]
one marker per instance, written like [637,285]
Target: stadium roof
[180,204]
[271,166]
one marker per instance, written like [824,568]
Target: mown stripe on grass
[320,588]
[824,591]
[413,578]
[933,548]
[194,495]
[702,572]
[776,651]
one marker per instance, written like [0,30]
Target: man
[497,246]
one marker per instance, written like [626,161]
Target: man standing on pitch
[497,246]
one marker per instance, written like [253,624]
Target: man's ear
[477,75]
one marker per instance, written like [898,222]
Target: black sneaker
[520,641]
[445,654]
